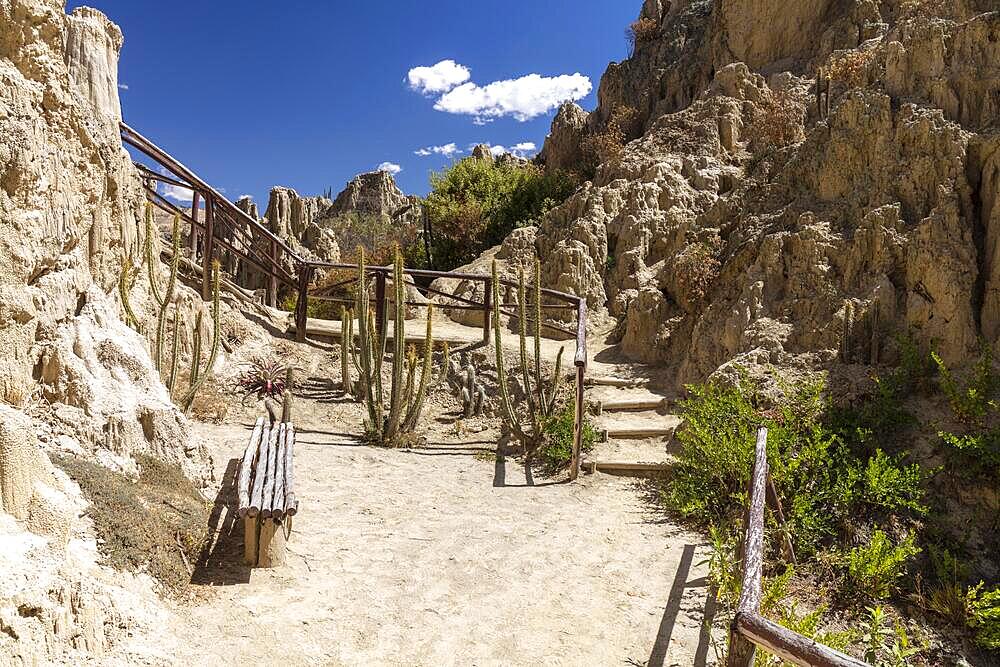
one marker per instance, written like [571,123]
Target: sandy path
[440,556]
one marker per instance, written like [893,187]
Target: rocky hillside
[741,221]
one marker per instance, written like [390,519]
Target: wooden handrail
[749,629]
[221,211]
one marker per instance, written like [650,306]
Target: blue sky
[308,94]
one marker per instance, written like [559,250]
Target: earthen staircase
[634,424]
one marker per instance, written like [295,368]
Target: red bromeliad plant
[265,378]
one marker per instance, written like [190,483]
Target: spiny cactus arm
[537,302]
[365,348]
[398,346]
[554,387]
[522,339]
[411,374]
[124,287]
[413,415]
[345,351]
[195,352]
[216,327]
[505,404]
[151,257]
[174,348]
[286,398]
[168,293]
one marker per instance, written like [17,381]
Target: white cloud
[448,150]
[524,147]
[123,86]
[523,98]
[175,192]
[390,167]
[497,150]
[437,78]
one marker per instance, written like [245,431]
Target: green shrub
[820,481]
[970,403]
[885,646]
[893,487]
[558,435]
[474,204]
[873,568]
[984,607]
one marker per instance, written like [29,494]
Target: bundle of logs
[266,492]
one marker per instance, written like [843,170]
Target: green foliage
[892,486]
[820,480]
[984,616]
[972,402]
[885,646]
[475,203]
[873,568]
[558,432]
[974,406]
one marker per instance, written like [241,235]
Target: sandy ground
[445,555]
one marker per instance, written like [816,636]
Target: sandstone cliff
[741,223]
[70,206]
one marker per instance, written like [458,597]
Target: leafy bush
[885,646]
[873,568]
[892,486]
[970,403]
[558,435]
[474,204]
[820,480]
[984,607]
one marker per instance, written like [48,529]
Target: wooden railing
[229,234]
[749,629]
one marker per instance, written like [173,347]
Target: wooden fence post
[302,302]
[193,238]
[208,249]
[741,649]
[272,276]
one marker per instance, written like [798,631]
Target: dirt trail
[440,556]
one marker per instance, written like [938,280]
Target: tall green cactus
[540,405]
[201,376]
[394,424]
[125,282]
[168,294]
[346,347]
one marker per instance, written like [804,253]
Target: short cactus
[473,394]
[346,350]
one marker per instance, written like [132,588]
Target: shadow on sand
[221,560]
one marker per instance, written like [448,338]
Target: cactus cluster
[392,425]
[163,301]
[539,398]
[467,384]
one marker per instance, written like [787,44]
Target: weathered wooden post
[272,275]
[581,366]
[487,311]
[193,239]
[741,649]
[302,301]
[208,245]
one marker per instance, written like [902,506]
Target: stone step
[629,404]
[599,381]
[624,467]
[629,432]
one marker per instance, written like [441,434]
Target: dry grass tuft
[779,120]
[853,69]
[156,525]
[609,144]
[643,30]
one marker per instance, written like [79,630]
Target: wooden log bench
[266,492]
